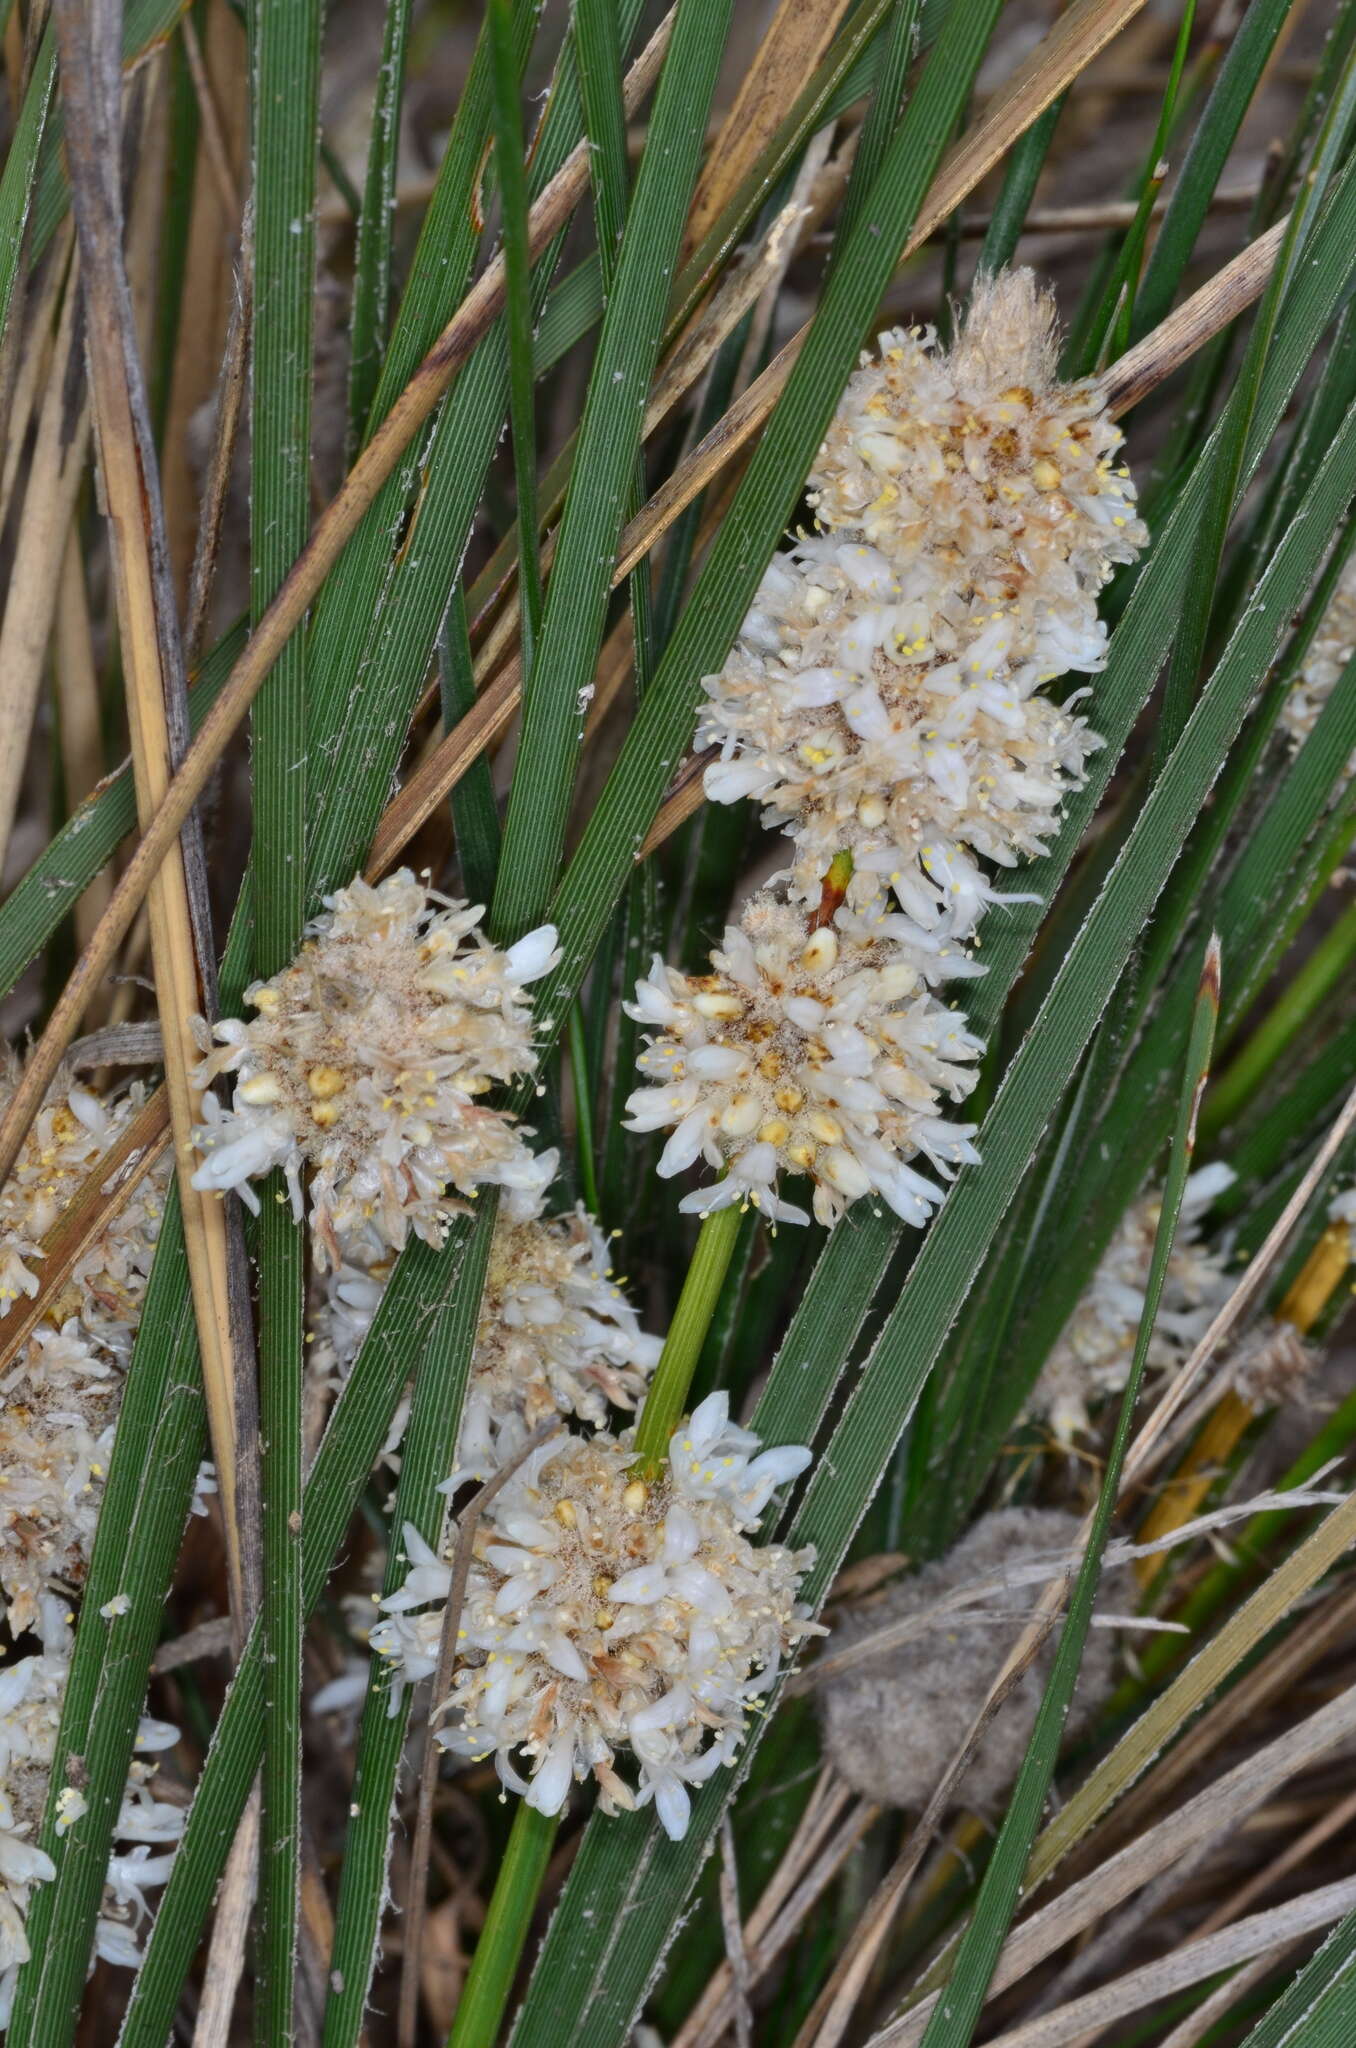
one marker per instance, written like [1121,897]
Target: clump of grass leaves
[395,518]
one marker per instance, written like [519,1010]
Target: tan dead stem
[231,1918]
[35,357]
[208,288]
[148,636]
[1322,1274]
[831,1827]
[215,141]
[49,500]
[1213,1812]
[1221,299]
[77,695]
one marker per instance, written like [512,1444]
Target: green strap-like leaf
[285,41]
[603,470]
[1319,2008]
[427,1457]
[957,2012]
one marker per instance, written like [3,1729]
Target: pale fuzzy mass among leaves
[1092,1359]
[894,1721]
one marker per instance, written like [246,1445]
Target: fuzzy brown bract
[893,1722]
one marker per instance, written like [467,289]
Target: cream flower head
[814,1052]
[882,696]
[72,1132]
[1091,1360]
[365,1061]
[59,1395]
[31,1694]
[604,1613]
[1331,650]
[556,1334]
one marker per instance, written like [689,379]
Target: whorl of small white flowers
[364,1062]
[819,1052]
[72,1132]
[1342,1209]
[1271,1365]
[882,697]
[556,1334]
[605,1613]
[1092,1358]
[59,1396]
[31,1694]
[1329,654]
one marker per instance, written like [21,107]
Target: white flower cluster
[1092,1358]
[883,701]
[883,694]
[364,1064]
[556,1335]
[824,1054]
[1332,648]
[607,1612]
[61,1391]
[31,1692]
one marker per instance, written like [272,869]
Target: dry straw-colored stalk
[35,359]
[208,286]
[1322,1274]
[54,477]
[76,677]
[153,667]
[1214,1812]
[1264,1934]
[796,41]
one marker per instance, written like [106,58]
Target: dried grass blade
[795,41]
[1219,1807]
[1262,1934]
[54,478]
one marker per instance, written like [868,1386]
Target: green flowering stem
[583,1108]
[495,1962]
[667,1398]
